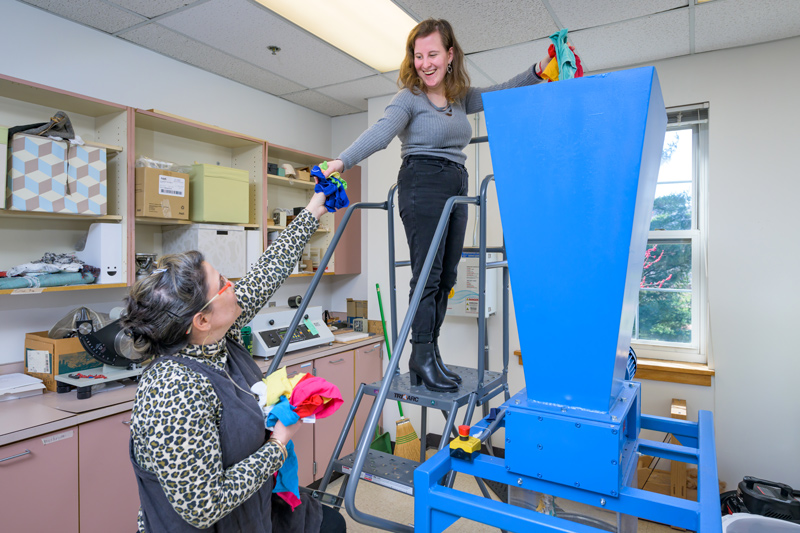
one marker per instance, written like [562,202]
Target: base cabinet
[109,497]
[314,443]
[39,482]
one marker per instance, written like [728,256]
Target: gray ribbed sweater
[425,129]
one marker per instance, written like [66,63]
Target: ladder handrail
[397,351]
[276,359]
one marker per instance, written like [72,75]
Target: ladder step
[402,390]
[383,469]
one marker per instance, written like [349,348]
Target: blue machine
[576,164]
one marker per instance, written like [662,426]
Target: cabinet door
[304,438]
[109,497]
[337,369]
[369,369]
[39,487]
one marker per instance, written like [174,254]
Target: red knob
[463,431]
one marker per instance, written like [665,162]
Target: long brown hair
[456,82]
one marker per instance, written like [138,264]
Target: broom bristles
[406,443]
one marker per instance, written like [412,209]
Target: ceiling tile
[580,14]
[171,44]
[477,77]
[641,40]
[729,23]
[480,25]
[93,13]
[355,93]
[321,103]
[246,30]
[154,8]
[503,64]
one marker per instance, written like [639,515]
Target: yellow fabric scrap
[551,72]
[278,384]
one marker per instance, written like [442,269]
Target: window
[670,319]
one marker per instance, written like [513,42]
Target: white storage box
[223,246]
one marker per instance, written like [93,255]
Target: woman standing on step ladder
[429,115]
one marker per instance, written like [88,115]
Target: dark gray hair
[161,306]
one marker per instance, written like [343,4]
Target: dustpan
[382,442]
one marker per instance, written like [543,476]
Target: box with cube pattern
[53,176]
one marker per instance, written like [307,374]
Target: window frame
[696,351]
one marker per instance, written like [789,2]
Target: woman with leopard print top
[201,454]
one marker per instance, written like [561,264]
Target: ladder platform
[383,469]
[402,390]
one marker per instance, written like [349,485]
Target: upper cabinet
[225,193]
[168,184]
[285,194]
[52,208]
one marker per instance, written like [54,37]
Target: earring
[449,68]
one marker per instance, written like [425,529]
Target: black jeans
[424,185]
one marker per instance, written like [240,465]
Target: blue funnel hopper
[576,164]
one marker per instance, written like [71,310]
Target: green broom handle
[386,335]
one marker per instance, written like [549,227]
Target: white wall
[88,62]
[753,286]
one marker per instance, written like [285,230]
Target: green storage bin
[219,194]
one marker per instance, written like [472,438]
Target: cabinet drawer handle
[372,349]
[336,362]
[126,422]
[26,452]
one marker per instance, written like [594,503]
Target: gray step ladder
[478,387]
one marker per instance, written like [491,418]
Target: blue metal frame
[437,507]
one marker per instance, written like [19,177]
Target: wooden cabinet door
[39,483]
[304,438]
[109,496]
[339,370]
[369,369]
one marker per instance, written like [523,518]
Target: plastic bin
[753,523]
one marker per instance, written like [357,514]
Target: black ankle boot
[446,371]
[423,368]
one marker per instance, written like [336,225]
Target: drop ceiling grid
[632,42]
[730,23]
[93,13]
[182,48]
[485,25]
[502,65]
[590,13]
[154,8]
[321,103]
[355,93]
[245,30]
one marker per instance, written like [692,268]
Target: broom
[406,443]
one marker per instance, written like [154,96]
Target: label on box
[171,186]
[38,361]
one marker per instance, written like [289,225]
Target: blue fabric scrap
[286,480]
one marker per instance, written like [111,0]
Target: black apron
[241,434]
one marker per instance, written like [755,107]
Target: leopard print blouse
[176,413]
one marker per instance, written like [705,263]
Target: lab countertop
[41,414]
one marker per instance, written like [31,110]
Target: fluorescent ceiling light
[372,31]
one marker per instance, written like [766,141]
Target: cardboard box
[303,174]
[45,358]
[56,177]
[356,309]
[220,194]
[162,194]
[225,247]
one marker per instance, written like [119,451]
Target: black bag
[59,126]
